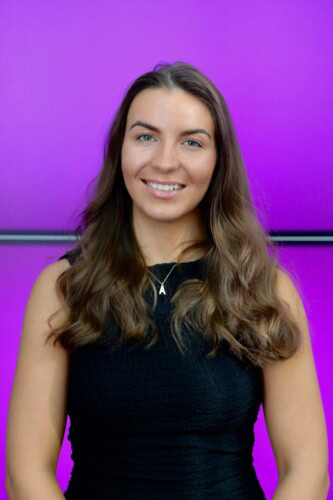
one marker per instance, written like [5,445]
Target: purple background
[64,69]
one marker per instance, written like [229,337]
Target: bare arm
[294,413]
[40,485]
[37,410]
[295,485]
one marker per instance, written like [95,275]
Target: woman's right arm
[37,410]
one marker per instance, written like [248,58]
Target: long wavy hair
[237,300]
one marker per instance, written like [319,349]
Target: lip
[156,181]
[165,195]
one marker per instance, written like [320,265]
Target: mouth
[169,183]
[163,193]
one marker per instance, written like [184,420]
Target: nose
[166,157]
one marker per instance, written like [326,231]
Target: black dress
[154,425]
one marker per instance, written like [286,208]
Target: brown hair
[237,301]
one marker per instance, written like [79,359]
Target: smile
[163,191]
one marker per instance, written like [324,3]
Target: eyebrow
[155,129]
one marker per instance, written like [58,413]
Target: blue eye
[191,140]
[143,135]
[198,145]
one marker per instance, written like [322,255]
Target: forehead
[163,106]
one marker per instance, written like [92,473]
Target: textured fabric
[156,425]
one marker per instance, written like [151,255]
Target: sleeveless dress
[156,425]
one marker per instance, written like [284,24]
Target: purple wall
[64,68]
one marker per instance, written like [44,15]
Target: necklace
[162,289]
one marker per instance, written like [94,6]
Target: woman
[170,322]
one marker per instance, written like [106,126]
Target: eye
[198,145]
[143,135]
[196,142]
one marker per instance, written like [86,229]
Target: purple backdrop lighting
[64,69]
[65,66]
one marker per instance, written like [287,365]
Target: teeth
[164,187]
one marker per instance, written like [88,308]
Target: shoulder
[285,286]
[45,297]
[58,267]
[50,273]
[289,292]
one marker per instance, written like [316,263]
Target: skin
[162,224]
[294,413]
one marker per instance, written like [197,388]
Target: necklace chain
[162,289]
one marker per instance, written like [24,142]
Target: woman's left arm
[294,413]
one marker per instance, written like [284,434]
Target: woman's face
[167,149]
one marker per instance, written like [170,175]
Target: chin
[164,217]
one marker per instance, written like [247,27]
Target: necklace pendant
[162,290]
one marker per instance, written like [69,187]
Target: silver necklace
[162,289]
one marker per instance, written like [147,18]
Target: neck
[163,241]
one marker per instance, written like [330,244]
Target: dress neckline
[186,263]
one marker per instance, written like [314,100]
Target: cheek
[203,177]
[210,170]
[131,158]
[128,164]
[203,167]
